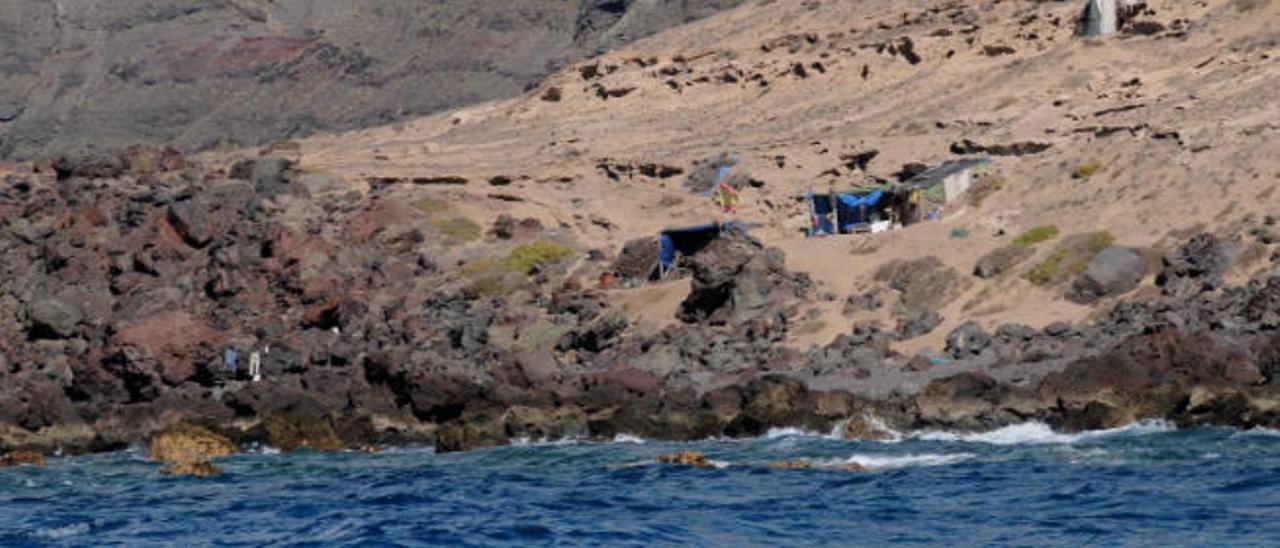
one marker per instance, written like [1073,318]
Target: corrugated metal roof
[936,174]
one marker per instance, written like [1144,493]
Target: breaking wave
[883,462]
[1038,433]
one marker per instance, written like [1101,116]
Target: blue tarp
[856,209]
[688,240]
[850,207]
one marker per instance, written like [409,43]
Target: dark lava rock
[919,324]
[736,280]
[1198,266]
[54,318]
[1113,271]
[969,339]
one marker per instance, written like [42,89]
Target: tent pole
[835,209]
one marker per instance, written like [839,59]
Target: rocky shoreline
[127,279]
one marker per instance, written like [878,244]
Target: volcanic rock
[187,443]
[1113,271]
[22,458]
[686,458]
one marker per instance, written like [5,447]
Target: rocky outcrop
[123,297]
[186,442]
[737,280]
[1198,266]
[189,449]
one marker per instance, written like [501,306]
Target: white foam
[881,462]
[1038,433]
[775,433]
[67,531]
[627,438]
[1260,431]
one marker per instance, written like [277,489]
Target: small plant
[1045,272]
[1036,235]
[458,228]
[529,257]
[1087,169]
[430,206]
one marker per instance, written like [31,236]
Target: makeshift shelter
[845,212]
[878,208]
[674,243]
[946,182]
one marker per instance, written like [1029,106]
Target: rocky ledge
[126,281]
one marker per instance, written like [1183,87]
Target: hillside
[198,74]
[1178,113]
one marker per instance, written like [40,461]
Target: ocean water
[1147,484]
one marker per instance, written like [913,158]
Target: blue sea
[1146,484]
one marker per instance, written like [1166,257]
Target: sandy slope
[1183,122]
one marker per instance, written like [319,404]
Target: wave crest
[1039,433]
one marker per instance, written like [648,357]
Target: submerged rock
[198,469]
[686,458]
[22,458]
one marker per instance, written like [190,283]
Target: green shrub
[1036,235]
[458,228]
[1070,258]
[430,206]
[1087,169]
[528,257]
[1045,272]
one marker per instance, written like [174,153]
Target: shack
[947,182]
[880,208]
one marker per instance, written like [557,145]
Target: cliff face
[195,74]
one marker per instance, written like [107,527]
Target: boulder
[470,433]
[967,340]
[737,280]
[1113,271]
[88,164]
[1199,265]
[54,318]
[291,431]
[196,227]
[187,443]
[918,324]
[271,176]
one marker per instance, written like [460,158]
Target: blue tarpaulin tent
[851,209]
[689,240]
[855,210]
